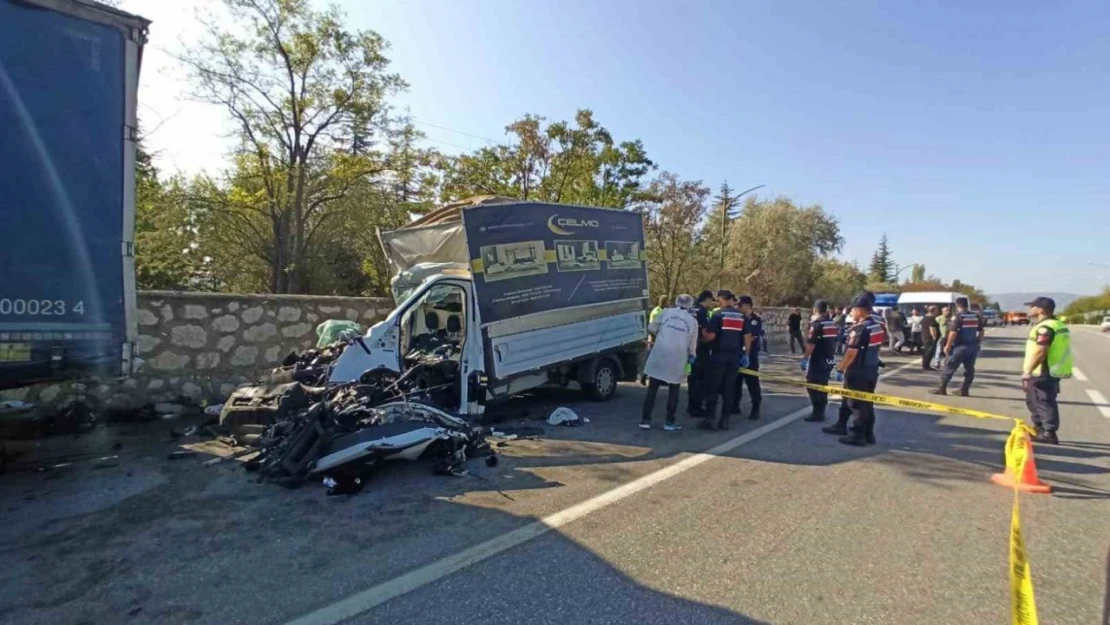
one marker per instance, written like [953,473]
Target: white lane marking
[1078,375]
[1099,401]
[372,597]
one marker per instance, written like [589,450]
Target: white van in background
[908,301]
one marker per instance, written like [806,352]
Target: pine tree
[882,267]
[716,229]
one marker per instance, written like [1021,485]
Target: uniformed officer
[860,369]
[820,354]
[753,325]
[695,398]
[729,342]
[1048,360]
[965,331]
[845,412]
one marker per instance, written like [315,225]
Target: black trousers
[846,408]
[673,391]
[796,335]
[961,355]
[818,373]
[864,411]
[720,380]
[755,389]
[695,382]
[929,353]
[1040,398]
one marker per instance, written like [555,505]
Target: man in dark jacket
[794,323]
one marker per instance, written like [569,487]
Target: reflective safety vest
[969,328]
[1058,359]
[655,312]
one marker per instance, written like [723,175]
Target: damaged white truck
[497,296]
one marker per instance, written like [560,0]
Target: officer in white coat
[676,343]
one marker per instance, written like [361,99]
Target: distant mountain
[1016,301]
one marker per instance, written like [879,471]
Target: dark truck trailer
[69,72]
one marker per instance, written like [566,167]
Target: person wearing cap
[729,341]
[860,371]
[965,331]
[820,354]
[753,325]
[676,343]
[1047,360]
[844,414]
[695,398]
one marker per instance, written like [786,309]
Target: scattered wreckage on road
[494,299]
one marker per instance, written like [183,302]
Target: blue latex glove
[805,363]
[744,361]
[839,376]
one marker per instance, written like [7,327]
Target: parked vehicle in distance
[920,299]
[1017,318]
[1106,324]
[991,318]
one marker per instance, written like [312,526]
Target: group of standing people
[708,341]
[716,348]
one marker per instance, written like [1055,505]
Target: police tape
[885,400]
[1023,606]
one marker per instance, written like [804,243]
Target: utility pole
[729,211]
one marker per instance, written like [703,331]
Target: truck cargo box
[68,84]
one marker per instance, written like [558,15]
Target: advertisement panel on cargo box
[532,257]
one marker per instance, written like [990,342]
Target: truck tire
[602,382]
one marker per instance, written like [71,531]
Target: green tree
[166,254]
[917,274]
[577,163]
[882,266]
[672,210]
[776,248]
[307,96]
[837,281]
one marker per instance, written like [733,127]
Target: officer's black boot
[723,423]
[855,439]
[754,414]
[815,417]
[839,428]
[965,390]
[940,390]
[869,431]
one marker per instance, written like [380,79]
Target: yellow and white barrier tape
[885,400]
[1023,607]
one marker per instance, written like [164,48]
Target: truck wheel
[603,383]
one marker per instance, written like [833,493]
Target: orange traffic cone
[1027,482]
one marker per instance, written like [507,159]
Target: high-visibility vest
[1059,358]
[655,312]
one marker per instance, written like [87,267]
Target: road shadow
[157,541]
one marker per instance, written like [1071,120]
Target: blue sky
[976,138]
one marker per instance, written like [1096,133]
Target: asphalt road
[772,522]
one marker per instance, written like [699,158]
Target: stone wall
[197,347]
